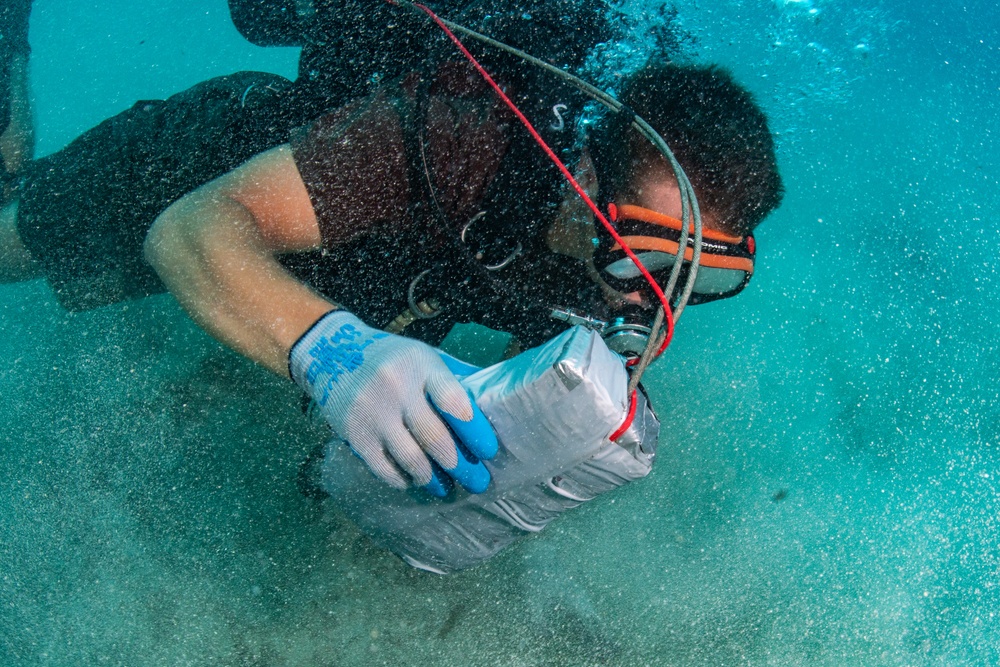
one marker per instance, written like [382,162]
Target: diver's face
[654,187]
[648,219]
[573,231]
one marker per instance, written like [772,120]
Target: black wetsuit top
[356,44]
[350,46]
[86,209]
[432,183]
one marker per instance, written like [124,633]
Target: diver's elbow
[159,243]
[171,239]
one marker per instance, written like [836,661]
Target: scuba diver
[344,250]
[425,204]
[17,135]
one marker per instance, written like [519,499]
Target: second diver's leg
[16,263]
[17,140]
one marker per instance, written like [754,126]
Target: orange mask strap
[630,212]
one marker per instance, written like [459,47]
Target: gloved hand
[393,400]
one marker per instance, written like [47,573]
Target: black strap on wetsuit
[509,234]
[372,276]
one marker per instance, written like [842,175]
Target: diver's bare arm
[215,250]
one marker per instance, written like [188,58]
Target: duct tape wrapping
[553,408]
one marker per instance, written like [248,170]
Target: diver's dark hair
[716,130]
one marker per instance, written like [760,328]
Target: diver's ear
[585,174]
[572,230]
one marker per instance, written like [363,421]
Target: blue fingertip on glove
[440,484]
[476,434]
[476,442]
[475,438]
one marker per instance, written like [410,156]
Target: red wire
[629,418]
[566,173]
[669,316]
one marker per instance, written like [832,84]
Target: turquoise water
[827,488]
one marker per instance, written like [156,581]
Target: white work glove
[393,400]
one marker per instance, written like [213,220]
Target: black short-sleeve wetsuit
[85,211]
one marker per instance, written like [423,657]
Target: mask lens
[717,282]
[711,282]
[625,268]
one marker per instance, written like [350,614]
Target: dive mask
[724,267]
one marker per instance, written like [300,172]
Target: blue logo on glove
[335,355]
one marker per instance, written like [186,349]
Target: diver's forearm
[209,252]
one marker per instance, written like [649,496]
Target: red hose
[669,316]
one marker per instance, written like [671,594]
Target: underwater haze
[827,488]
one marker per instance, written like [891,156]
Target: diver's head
[714,127]
[705,140]
[720,137]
